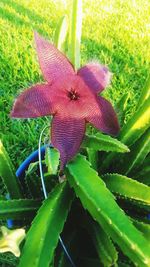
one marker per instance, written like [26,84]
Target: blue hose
[20,173]
[9,221]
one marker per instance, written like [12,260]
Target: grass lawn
[115,32]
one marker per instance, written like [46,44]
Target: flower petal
[104,117]
[53,63]
[67,135]
[96,76]
[34,102]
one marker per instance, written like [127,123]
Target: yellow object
[11,239]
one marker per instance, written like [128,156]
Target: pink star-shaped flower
[71,97]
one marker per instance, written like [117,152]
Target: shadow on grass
[122,63]
[15,19]
[120,54]
[129,74]
[119,59]
[24,11]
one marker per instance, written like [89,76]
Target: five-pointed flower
[11,239]
[71,97]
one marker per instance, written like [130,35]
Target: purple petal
[67,135]
[104,117]
[54,65]
[96,76]
[34,102]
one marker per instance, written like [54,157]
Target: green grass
[115,32]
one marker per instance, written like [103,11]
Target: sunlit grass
[114,32]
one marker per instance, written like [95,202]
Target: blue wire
[45,194]
[40,164]
[20,173]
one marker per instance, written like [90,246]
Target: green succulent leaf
[8,175]
[142,174]
[127,188]
[92,156]
[33,185]
[75,33]
[121,107]
[32,181]
[8,259]
[18,209]
[32,168]
[105,249]
[124,264]
[101,142]
[131,132]
[100,203]
[52,160]
[143,227]
[136,125]
[43,235]
[144,179]
[145,94]
[61,34]
[139,151]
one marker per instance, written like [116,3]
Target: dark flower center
[73,95]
